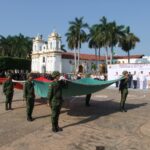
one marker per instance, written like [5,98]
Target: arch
[50,45]
[43,69]
[80,69]
[43,59]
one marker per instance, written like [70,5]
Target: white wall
[66,66]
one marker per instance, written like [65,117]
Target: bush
[7,63]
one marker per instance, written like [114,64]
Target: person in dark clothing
[123,88]
[129,79]
[8,90]
[55,99]
[135,78]
[29,96]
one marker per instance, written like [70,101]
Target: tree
[128,42]
[63,48]
[104,35]
[3,45]
[78,28]
[115,34]
[16,46]
[72,44]
[95,39]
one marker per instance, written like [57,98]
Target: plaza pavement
[84,128]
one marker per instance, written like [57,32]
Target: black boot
[87,105]
[54,129]
[121,109]
[59,129]
[124,110]
[29,118]
[10,108]
[6,106]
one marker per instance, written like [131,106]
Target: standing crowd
[136,80]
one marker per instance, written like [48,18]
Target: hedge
[7,63]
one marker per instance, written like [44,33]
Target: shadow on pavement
[96,110]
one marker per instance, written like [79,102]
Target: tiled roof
[69,55]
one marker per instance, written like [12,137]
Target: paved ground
[83,128]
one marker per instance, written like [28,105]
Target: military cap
[124,72]
[29,75]
[55,74]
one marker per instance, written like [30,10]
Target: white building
[47,57]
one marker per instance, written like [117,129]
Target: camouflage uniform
[8,89]
[123,87]
[55,101]
[29,95]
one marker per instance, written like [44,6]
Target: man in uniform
[123,87]
[55,99]
[29,96]
[8,89]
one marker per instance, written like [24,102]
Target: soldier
[123,87]
[55,99]
[87,100]
[29,96]
[8,89]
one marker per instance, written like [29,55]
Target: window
[51,45]
[43,59]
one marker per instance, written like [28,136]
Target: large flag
[78,87]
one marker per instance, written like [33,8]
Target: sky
[32,17]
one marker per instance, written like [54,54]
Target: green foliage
[16,46]
[7,63]
[93,67]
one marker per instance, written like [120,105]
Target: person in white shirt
[148,80]
[135,78]
[117,77]
[101,77]
[141,80]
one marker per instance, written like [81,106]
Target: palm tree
[72,44]
[104,35]
[78,27]
[63,48]
[95,39]
[128,42]
[92,41]
[115,34]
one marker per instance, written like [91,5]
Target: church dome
[54,34]
[38,37]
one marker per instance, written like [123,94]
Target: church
[47,57]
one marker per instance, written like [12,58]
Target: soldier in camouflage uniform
[123,87]
[55,99]
[29,96]
[8,89]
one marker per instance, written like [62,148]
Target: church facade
[48,57]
